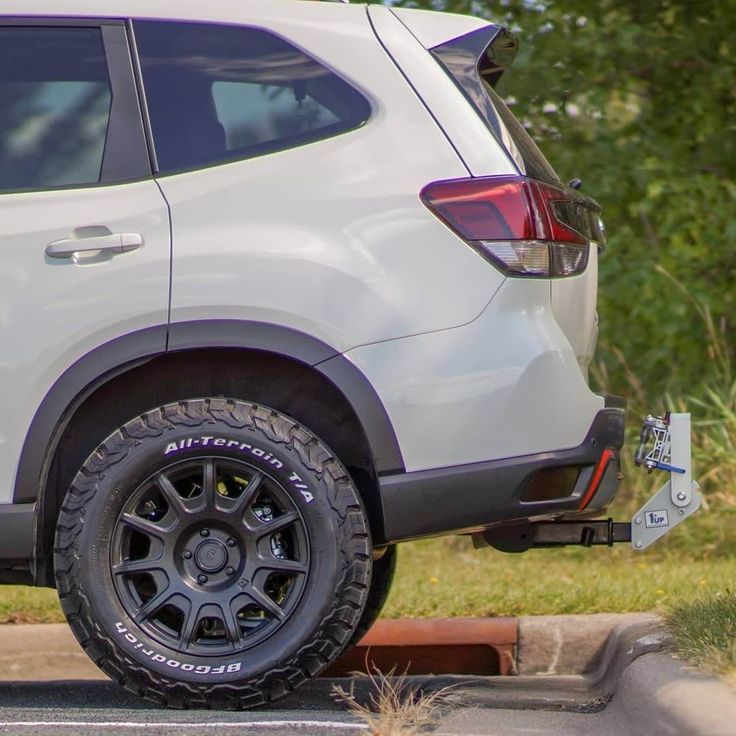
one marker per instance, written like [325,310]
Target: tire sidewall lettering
[199,441]
[284,465]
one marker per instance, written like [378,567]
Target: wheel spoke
[210,483]
[152,561]
[278,524]
[176,501]
[160,597]
[129,567]
[189,627]
[276,564]
[232,627]
[243,502]
[146,526]
[252,594]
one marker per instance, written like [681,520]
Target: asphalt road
[99,708]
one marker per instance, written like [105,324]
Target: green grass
[23,605]
[705,631]
[446,577]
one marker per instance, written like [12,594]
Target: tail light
[523,226]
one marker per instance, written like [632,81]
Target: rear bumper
[464,497]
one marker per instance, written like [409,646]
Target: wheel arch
[319,387]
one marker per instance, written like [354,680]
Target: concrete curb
[589,691]
[660,695]
[633,676]
[624,670]
[574,644]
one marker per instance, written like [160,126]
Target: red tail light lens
[526,227]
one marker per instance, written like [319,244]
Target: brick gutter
[475,646]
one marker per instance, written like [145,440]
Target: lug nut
[202,579]
[187,555]
[229,571]
[231,542]
[204,532]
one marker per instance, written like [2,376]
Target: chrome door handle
[114,243]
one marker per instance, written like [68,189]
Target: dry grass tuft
[394,707]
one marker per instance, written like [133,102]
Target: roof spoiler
[486,52]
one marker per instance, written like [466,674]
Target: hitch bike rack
[664,444]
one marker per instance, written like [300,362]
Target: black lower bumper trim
[445,500]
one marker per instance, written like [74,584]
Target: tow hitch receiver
[664,445]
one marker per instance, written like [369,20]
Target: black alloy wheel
[210,556]
[213,553]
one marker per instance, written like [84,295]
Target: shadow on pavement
[100,695]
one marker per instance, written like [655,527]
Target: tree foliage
[638,99]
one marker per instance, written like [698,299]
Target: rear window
[515,136]
[219,93]
[475,76]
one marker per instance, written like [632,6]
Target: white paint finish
[223,11]
[458,118]
[331,238]
[53,311]
[574,302]
[432,28]
[506,385]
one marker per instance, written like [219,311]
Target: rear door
[84,230]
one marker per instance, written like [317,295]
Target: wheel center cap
[211,556]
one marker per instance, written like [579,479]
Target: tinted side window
[55,98]
[217,93]
[535,163]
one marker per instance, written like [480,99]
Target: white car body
[329,240]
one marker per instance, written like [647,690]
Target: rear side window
[55,98]
[535,163]
[218,93]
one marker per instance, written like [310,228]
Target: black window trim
[142,99]
[125,158]
[265,148]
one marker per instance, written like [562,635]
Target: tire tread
[335,629]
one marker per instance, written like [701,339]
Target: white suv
[283,284]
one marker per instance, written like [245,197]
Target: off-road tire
[332,598]
[384,569]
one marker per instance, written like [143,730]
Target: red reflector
[595,481]
[502,208]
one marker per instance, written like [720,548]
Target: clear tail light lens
[523,226]
[521,257]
